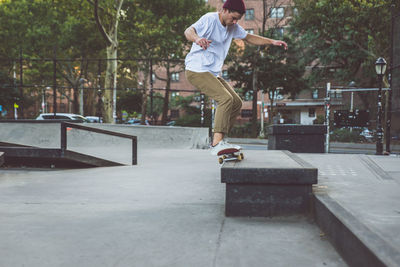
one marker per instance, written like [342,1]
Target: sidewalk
[167,211]
[367,188]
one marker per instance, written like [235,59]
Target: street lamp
[352,84]
[380,68]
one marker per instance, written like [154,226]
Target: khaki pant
[229,103]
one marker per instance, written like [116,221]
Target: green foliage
[192,114]
[155,28]
[342,39]
[320,119]
[157,104]
[8,94]
[38,29]
[244,130]
[276,67]
[130,101]
[347,135]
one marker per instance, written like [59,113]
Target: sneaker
[234,146]
[221,146]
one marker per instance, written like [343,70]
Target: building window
[311,112]
[277,12]
[248,96]
[249,14]
[246,113]
[337,94]
[175,77]
[315,94]
[251,31]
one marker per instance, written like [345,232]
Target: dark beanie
[236,5]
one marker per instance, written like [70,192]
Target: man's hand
[203,42]
[280,43]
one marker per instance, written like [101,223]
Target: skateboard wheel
[224,157]
[220,160]
[239,157]
[242,155]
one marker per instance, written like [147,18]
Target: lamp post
[380,67]
[351,85]
[82,82]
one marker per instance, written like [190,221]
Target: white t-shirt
[211,59]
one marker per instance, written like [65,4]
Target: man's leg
[236,105]
[212,87]
[217,137]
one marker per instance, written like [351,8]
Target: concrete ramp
[47,135]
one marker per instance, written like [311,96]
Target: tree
[276,70]
[8,94]
[47,28]
[160,24]
[110,13]
[251,62]
[343,39]
[267,68]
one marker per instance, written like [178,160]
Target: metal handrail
[64,126]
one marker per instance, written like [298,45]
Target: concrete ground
[367,187]
[166,211]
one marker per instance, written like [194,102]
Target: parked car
[136,122]
[62,116]
[94,119]
[171,123]
[367,134]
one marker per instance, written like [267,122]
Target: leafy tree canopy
[343,38]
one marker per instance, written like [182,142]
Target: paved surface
[367,186]
[167,211]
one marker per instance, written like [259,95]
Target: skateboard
[230,154]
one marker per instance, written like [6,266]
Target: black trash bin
[297,138]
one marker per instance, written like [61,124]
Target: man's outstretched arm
[259,40]
[191,35]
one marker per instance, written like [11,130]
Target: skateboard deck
[230,154]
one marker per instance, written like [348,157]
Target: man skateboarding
[212,35]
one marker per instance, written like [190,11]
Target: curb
[355,242]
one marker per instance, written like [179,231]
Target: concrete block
[297,138]
[280,186]
[1,158]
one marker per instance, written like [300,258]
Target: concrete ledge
[278,184]
[356,243]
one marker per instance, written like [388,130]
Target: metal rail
[64,126]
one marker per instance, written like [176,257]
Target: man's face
[231,18]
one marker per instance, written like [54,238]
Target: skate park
[170,209]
